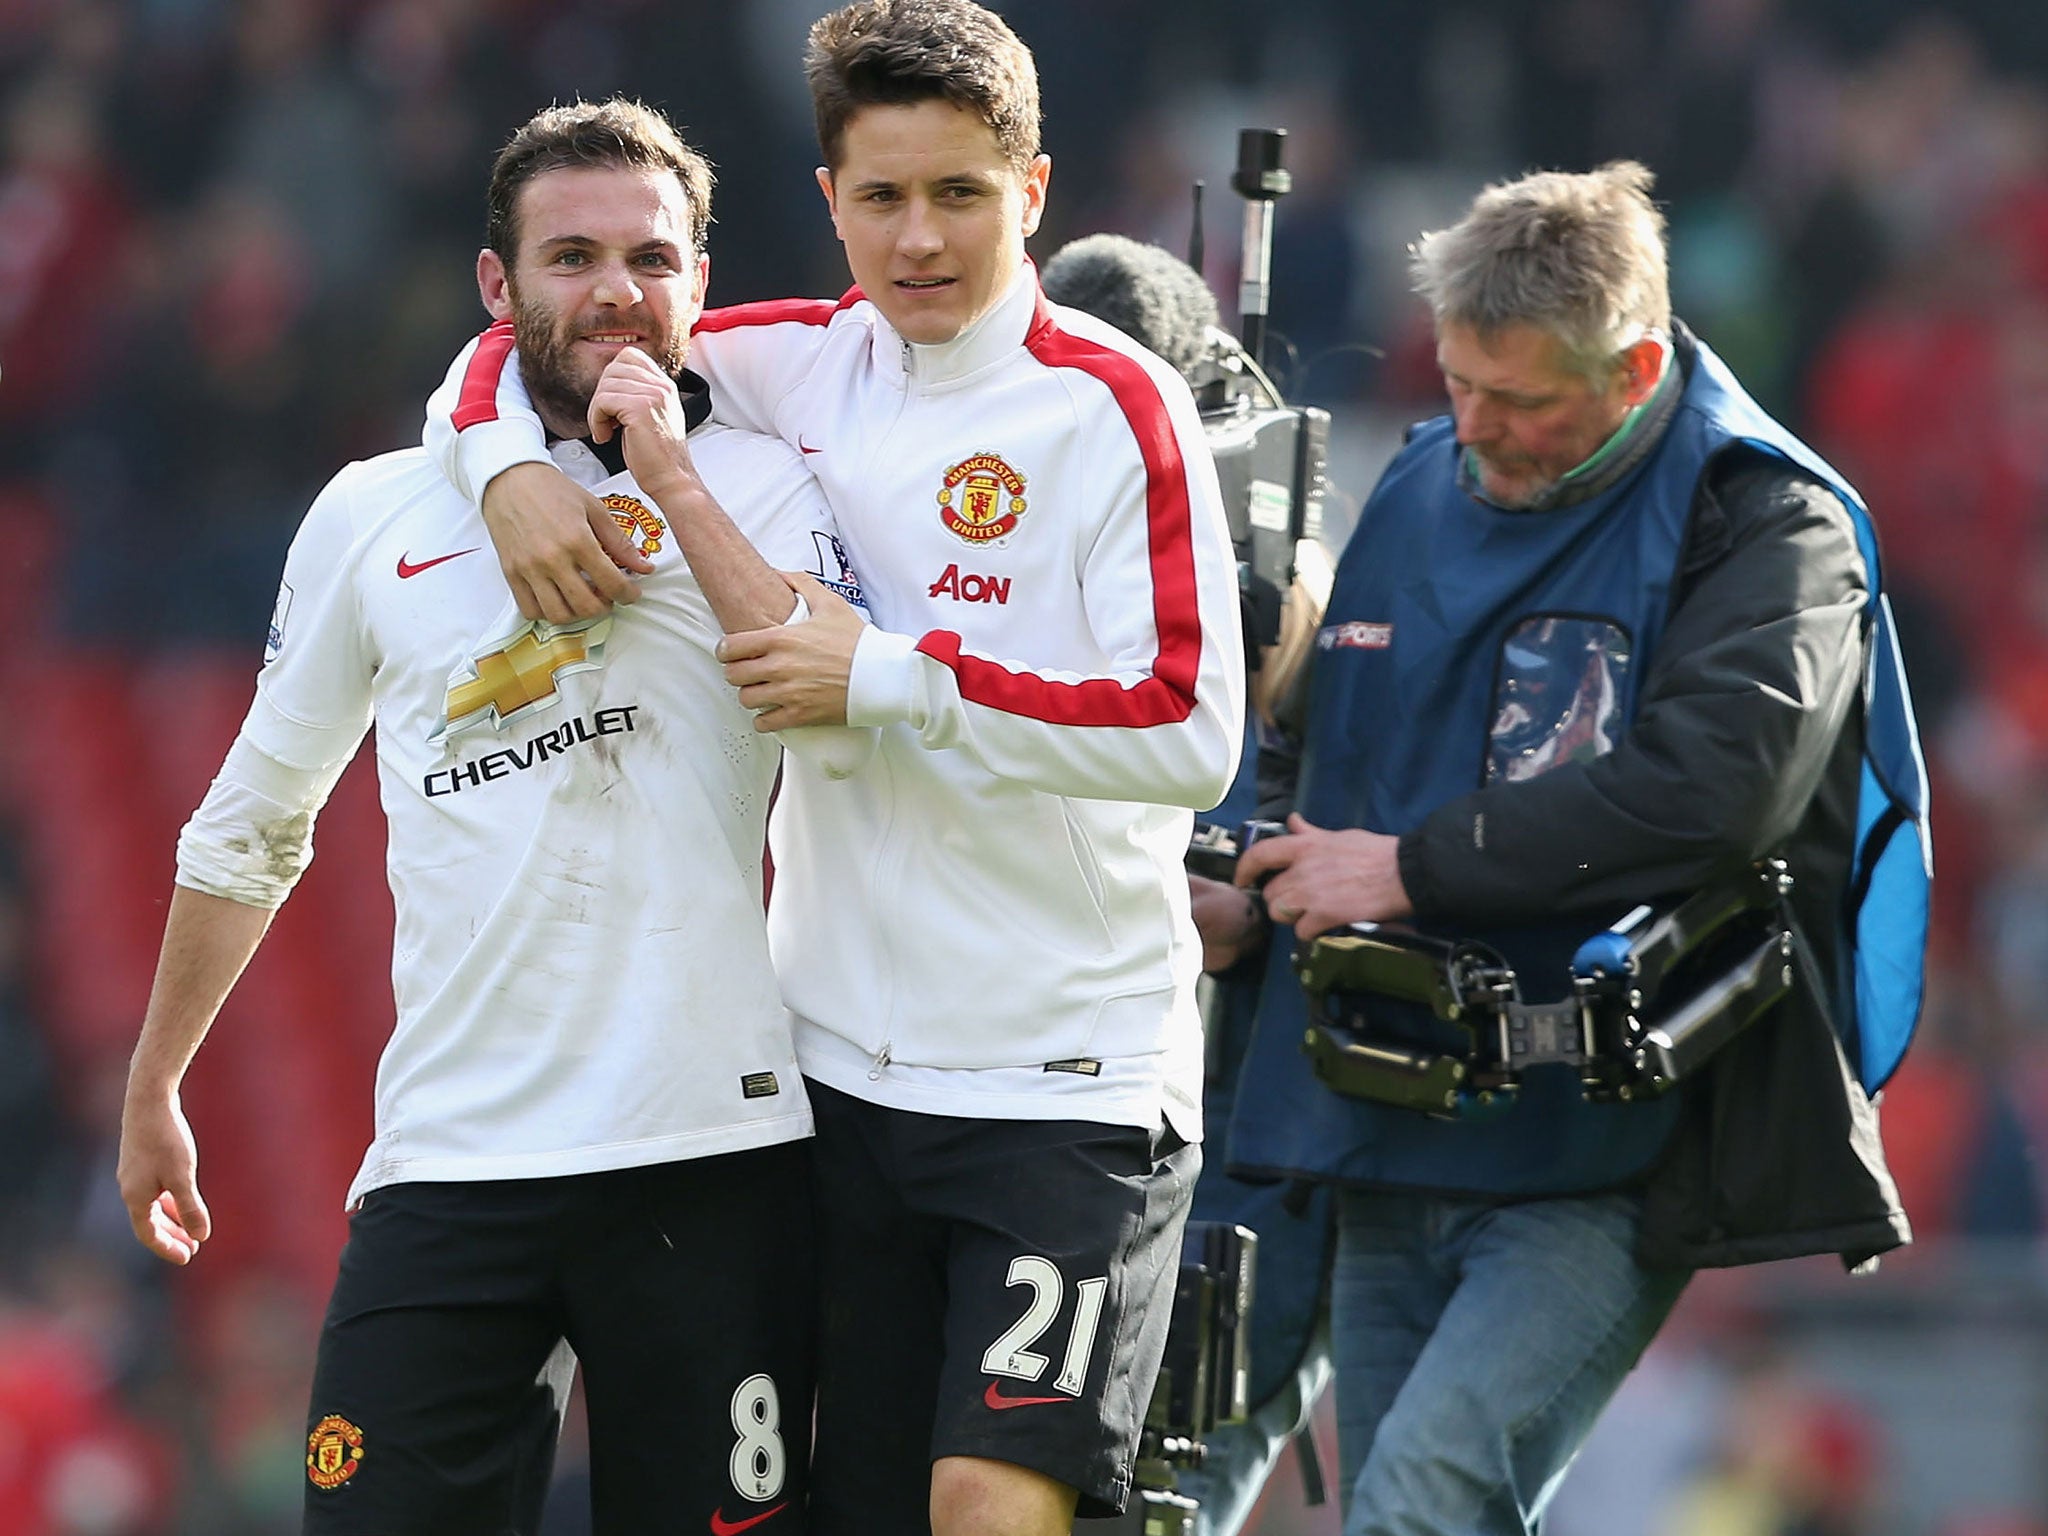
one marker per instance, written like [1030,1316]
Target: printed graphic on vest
[1355,635]
[1557,695]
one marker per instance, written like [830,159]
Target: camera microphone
[1148,293]
[1270,457]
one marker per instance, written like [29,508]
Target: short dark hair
[604,133]
[901,52]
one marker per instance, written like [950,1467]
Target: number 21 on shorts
[1012,1355]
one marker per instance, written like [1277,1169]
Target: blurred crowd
[237,241]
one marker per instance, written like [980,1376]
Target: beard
[1528,487]
[561,383]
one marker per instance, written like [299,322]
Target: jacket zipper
[886,858]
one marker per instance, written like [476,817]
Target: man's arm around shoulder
[560,550]
[1157,719]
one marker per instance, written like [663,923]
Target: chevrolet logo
[518,674]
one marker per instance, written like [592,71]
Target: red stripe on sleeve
[1168,695]
[479,399]
[777,312]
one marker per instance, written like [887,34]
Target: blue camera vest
[1465,645]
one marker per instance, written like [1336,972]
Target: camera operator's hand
[1229,920]
[1318,879]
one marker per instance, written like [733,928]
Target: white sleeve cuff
[881,689]
[485,451]
[243,846]
[252,836]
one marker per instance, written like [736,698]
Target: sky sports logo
[1355,635]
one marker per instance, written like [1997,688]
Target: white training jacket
[1056,667]
[576,821]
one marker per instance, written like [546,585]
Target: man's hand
[1228,920]
[158,1173]
[560,549]
[634,396]
[796,674]
[1321,879]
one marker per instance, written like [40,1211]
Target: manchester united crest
[333,1452]
[638,520]
[980,499]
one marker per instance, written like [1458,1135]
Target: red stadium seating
[280,1096]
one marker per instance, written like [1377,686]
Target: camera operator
[1601,634]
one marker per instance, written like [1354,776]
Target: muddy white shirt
[576,824]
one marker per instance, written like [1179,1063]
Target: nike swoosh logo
[405,570]
[995,1399]
[720,1526]
[804,447]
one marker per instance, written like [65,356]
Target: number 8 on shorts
[758,1460]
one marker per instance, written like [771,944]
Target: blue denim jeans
[1241,1457]
[1475,1344]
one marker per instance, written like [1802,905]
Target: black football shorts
[685,1291]
[992,1288]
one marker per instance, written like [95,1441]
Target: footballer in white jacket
[983,934]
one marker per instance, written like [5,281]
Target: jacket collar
[990,339]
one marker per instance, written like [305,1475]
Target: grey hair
[1578,254]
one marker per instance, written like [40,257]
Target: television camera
[1271,457]
[1647,1002]
[1202,1379]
